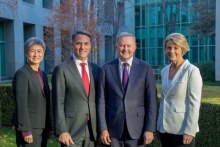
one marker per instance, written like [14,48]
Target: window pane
[29,1]
[137,16]
[152,19]
[194,54]
[203,53]
[2,59]
[2,50]
[211,53]
[160,56]
[47,3]
[138,53]
[144,54]
[152,56]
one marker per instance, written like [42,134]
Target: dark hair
[82,32]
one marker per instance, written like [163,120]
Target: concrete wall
[217,40]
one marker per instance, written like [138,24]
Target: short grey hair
[123,34]
[34,41]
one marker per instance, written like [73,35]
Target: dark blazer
[138,105]
[71,104]
[32,102]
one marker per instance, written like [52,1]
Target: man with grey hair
[127,99]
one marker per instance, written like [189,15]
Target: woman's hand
[187,139]
[28,139]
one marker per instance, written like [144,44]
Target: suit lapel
[74,70]
[45,82]
[92,83]
[180,72]
[177,76]
[116,74]
[33,75]
[166,87]
[166,78]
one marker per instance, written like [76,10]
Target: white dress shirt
[79,67]
[121,67]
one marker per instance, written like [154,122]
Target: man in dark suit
[73,86]
[127,100]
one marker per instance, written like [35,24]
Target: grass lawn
[209,121]
[7,138]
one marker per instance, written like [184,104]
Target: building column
[217,44]
[16,55]
[40,34]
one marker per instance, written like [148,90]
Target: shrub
[7,105]
[207,70]
[209,126]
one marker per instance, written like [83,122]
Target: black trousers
[172,140]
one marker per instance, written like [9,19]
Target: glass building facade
[2,50]
[155,19]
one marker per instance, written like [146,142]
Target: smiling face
[82,46]
[126,47]
[35,54]
[173,51]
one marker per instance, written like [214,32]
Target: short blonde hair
[178,39]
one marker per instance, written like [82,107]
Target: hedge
[209,124]
[7,105]
[209,118]
[207,70]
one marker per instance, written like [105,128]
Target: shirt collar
[78,61]
[129,62]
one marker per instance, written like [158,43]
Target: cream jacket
[180,101]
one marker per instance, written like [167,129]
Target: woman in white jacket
[180,97]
